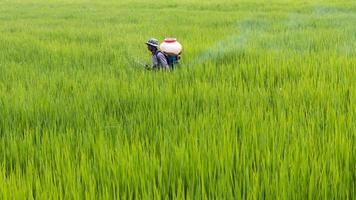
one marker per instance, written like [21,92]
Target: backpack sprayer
[172,49]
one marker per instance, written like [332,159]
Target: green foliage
[262,106]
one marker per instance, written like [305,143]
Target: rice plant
[261,107]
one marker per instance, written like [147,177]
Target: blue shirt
[159,60]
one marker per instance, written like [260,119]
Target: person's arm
[155,62]
[163,61]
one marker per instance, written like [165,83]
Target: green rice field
[262,105]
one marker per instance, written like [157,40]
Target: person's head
[152,45]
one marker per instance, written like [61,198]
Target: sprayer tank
[171,46]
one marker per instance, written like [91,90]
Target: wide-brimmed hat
[152,42]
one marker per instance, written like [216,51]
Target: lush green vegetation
[263,105]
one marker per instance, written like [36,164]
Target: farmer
[159,61]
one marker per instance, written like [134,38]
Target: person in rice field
[159,60]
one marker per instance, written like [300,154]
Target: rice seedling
[262,106]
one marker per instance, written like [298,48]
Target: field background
[263,105]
